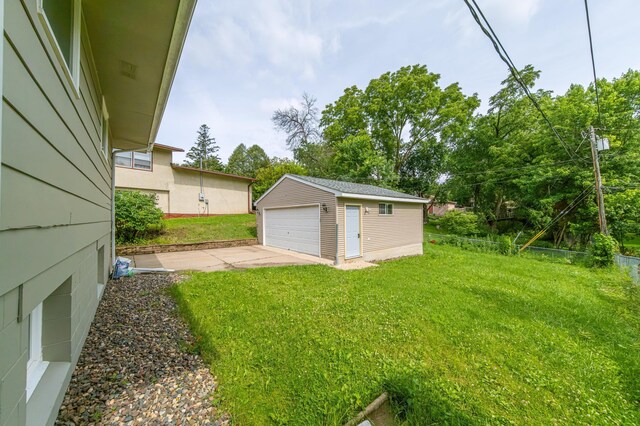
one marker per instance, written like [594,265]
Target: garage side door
[294,228]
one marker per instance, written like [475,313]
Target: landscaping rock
[139,363]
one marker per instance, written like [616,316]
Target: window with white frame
[123,159]
[142,160]
[61,21]
[385,209]
[36,366]
[134,160]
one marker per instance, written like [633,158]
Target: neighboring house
[179,189]
[78,79]
[442,208]
[339,220]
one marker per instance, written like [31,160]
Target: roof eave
[178,38]
[383,198]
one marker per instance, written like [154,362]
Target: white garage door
[294,228]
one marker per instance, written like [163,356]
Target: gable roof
[350,190]
[167,147]
[211,172]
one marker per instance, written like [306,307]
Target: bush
[460,223]
[137,216]
[505,245]
[603,250]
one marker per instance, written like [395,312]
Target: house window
[142,160]
[36,366]
[385,209]
[123,159]
[61,20]
[136,160]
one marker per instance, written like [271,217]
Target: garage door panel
[295,228]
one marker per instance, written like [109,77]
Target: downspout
[113,199]
[250,196]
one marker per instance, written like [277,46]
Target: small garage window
[385,209]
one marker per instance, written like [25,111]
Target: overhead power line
[510,169]
[593,61]
[488,31]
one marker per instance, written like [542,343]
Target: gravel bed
[138,364]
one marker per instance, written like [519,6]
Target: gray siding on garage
[54,200]
[290,193]
[381,232]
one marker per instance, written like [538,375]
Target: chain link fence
[631,264]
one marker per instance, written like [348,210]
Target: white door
[352,232]
[293,228]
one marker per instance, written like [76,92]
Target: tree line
[515,168]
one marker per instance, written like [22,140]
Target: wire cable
[499,48]
[593,62]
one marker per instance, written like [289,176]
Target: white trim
[104,134]
[343,194]
[360,229]
[36,366]
[72,70]
[293,206]
[178,38]
[381,198]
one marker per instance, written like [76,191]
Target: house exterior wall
[291,193]
[54,212]
[383,236]
[178,189]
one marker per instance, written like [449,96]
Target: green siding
[54,206]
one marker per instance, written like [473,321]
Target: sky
[244,59]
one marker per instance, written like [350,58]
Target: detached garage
[339,220]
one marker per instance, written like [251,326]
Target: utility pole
[596,169]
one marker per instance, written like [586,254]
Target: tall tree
[237,163]
[409,119]
[205,149]
[269,175]
[299,123]
[247,161]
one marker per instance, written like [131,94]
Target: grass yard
[456,338]
[198,229]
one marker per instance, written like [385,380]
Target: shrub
[602,251]
[505,245]
[460,223]
[137,216]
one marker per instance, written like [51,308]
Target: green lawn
[456,338]
[198,229]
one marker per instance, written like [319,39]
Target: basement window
[36,366]
[385,209]
[61,21]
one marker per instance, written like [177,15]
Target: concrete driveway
[225,259]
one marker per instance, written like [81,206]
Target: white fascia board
[381,198]
[322,188]
[178,38]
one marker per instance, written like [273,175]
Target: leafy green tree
[238,163]
[205,149]
[247,161]
[256,159]
[409,119]
[267,176]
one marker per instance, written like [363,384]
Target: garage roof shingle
[356,188]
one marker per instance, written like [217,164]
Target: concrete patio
[226,259]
